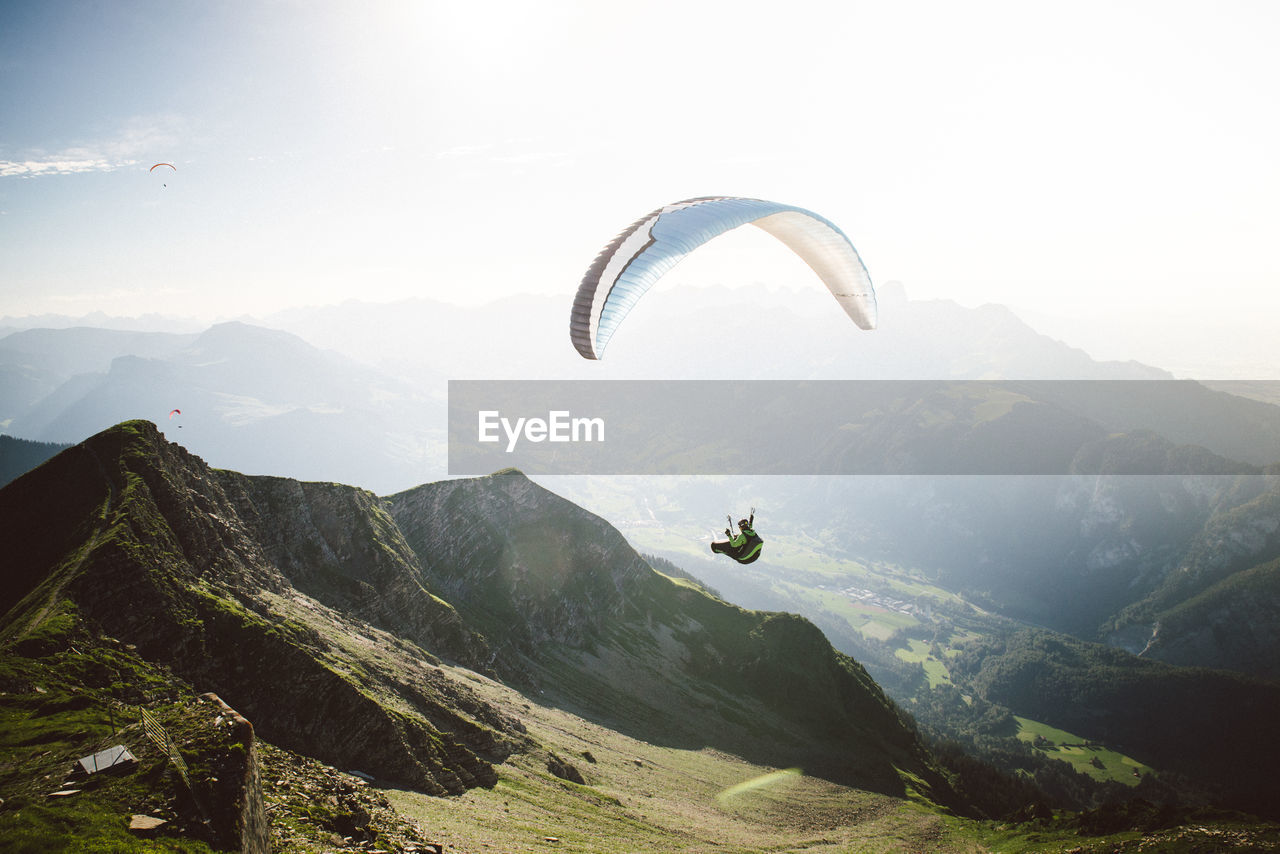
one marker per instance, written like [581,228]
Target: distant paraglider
[158,165]
[173,412]
[652,245]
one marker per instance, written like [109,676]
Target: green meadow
[1099,762]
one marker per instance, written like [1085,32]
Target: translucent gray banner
[965,427]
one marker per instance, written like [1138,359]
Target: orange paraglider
[158,165]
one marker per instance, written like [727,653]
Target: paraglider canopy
[158,165]
[652,245]
[174,412]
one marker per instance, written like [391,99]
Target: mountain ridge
[306,611]
[164,588]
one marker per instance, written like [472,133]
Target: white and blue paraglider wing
[652,245]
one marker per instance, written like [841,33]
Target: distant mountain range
[703,333]
[356,392]
[250,398]
[689,333]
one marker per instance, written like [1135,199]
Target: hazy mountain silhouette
[704,333]
[251,398]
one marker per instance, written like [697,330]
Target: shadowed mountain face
[1207,724]
[248,587]
[321,613]
[19,456]
[529,566]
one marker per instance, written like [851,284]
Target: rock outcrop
[244,586]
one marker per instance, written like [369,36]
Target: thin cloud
[55,166]
[130,145]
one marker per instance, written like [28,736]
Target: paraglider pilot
[744,547]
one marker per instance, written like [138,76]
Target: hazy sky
[1107,169]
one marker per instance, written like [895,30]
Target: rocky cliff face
[339,546]
[526,565]
[1212,601]
[233,789]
